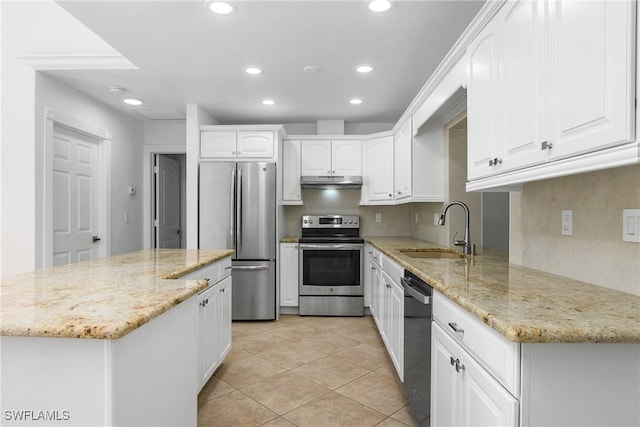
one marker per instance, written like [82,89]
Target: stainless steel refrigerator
[238,211]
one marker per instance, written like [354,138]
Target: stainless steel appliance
[238,211]
[331,255]
[418,312]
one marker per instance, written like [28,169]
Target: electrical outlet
[436,218]
[126,217]
[567,223]
[416,218]
[378,217]
[631,225]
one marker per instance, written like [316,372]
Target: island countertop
[523,304]
[104,298]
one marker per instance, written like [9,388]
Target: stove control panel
[330,221]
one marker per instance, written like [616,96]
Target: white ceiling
[187,55]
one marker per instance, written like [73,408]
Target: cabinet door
[368,276]
[482,103]
[255,144]
[289,274]
[376,289]
[396,327]
[402,161]
[592,74]
[523,82]
[291,190]
[217,144]
[207,340]
[223,324]
[346,158]
[378,169]
[445,385]
[316,158]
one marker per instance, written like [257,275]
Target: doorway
[169,190]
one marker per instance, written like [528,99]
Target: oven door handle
[330,246]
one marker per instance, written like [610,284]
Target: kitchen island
[515,346]
[103,342]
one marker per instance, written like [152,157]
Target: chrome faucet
[467,247]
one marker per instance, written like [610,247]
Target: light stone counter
[102,299]
[522,304]
[290,239]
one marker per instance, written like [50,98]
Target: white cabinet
[291,190]
[550,80]
[289,274]
[213,317]
[331,158]
[237,144]
[403,161]
[387,306]
[378,169]
[463,393]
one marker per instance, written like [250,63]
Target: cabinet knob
[399,192]
[452,360]
[490,162]
[546,145]
[459,367]
[390,195]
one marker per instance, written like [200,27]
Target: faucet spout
[466,245]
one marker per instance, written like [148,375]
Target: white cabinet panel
[255,144]
[316,158]
[218,144]
[346,158]
[289,274]
[223,326]
[207,340]
[402,161]
[291,190]
[378,169]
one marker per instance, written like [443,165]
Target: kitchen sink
[431,253]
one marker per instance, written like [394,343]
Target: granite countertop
[522,304]
[103,299]
[290,239]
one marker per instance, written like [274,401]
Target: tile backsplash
[595,253]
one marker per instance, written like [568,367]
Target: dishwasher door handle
[423,299]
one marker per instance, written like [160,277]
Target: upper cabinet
[331,158]
[378,167]
[291,190]
[402,161]
[548,81]
[224,144]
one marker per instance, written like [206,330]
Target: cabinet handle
[452,360]
[228,267]
[399,192]
[459,367]
[295,247]
[546,145]
[333,172]
[390,195]
[455,328]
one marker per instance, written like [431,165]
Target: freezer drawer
[254,290]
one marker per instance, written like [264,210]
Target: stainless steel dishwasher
[418,313]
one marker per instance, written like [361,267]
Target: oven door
[331,269]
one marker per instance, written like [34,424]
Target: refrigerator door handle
[239,208]
[232,213]
[250,267]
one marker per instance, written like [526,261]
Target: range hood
[337,182]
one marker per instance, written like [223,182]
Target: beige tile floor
[305,371]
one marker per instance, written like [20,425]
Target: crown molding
[78,62]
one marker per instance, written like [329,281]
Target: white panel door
[346,158]
[167,202]
[74,196]
[218,144]
[523,82]
[378,169]
[592,74]
[255,144]
[316,158]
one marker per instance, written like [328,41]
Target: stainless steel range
[331,255]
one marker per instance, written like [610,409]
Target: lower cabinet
[463,392]
[214,328]
[288,274]
[387,307]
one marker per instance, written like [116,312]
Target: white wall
[166,132]
[28,28]
[126,156]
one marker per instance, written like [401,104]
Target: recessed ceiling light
[268,102]
[356,101]
[132,101]
[379,5]
[311,69]
[221,7]
[364,68]
[252,70]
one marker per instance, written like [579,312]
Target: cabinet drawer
[390,267]
[213,272]
[498,355]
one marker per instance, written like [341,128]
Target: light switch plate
[378,217]
[631,225]
[567,223]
